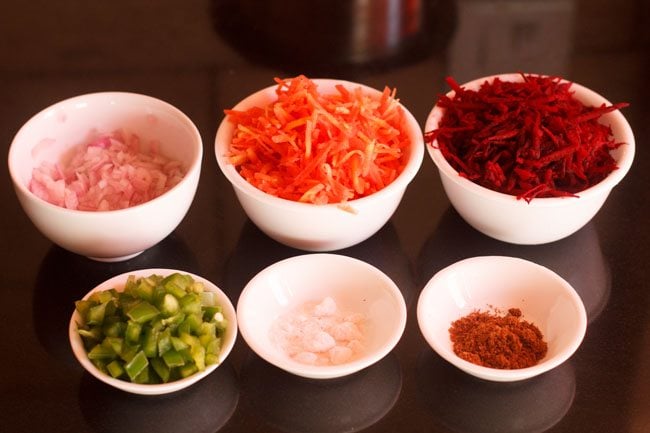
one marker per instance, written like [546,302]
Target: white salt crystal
[318,334]
[340,354]
[306,358]
[319,341]
[327,307]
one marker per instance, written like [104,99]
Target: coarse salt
[320,334]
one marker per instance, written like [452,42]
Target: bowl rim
[412,166]
[117,281]
[390,290]
[581,92]
[494,374]
[192,170]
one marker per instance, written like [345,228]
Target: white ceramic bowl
[110,235]
[118,282]
[317,227]
[354,285]
[484,283]
[502,216]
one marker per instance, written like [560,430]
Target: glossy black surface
[204,56]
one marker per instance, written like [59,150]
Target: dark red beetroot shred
[528,139]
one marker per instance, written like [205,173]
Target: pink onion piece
[113,171]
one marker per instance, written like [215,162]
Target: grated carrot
[320,148]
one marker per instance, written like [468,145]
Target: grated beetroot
[113,171]
[529,139]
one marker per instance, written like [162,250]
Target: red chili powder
[492,340]
[529,139]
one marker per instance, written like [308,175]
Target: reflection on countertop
[466,404]
[298,405]
[255,251]
[495,37]
[323,35]
[577,258]
[205,407]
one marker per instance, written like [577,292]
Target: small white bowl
[355,286]
[317,227]
[502,216]
[118,282]
[484,283]
[107,235]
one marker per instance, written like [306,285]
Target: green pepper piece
[198,355]
[143,312]
[183,327]
[211,359]
[96,314]
[187,370]
[178,344]
[100,364]
[205,339]
[157,324]
[115,343]
[197,287]
[161,369]
[89,335]
[83,306]
[208,328]
[164,342]
[115,369]
[100,351]
[190,325]
[173,358]
[169,305]
[210,310]
[174,290]
[145,377]
[214,346]
[158,293]
[154,279]
[126,301]
[144,290]
[102,296]
[129,351]
[111,308]
[138,364]
[189,339]
[176,284]
[113,327]
[130,285]
[191,303]
[187,356]
[173,321]
[221,322]
[208,299]
[150,342]
[133,331]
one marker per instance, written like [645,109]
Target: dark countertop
[204,56]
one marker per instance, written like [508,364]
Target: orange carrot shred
[320,148]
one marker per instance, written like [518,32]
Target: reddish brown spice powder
[528,139]
[498,341]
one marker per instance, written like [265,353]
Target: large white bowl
[356,287]
[118,283]
[543,220]
[484,283]
[108,235]
[317,227]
